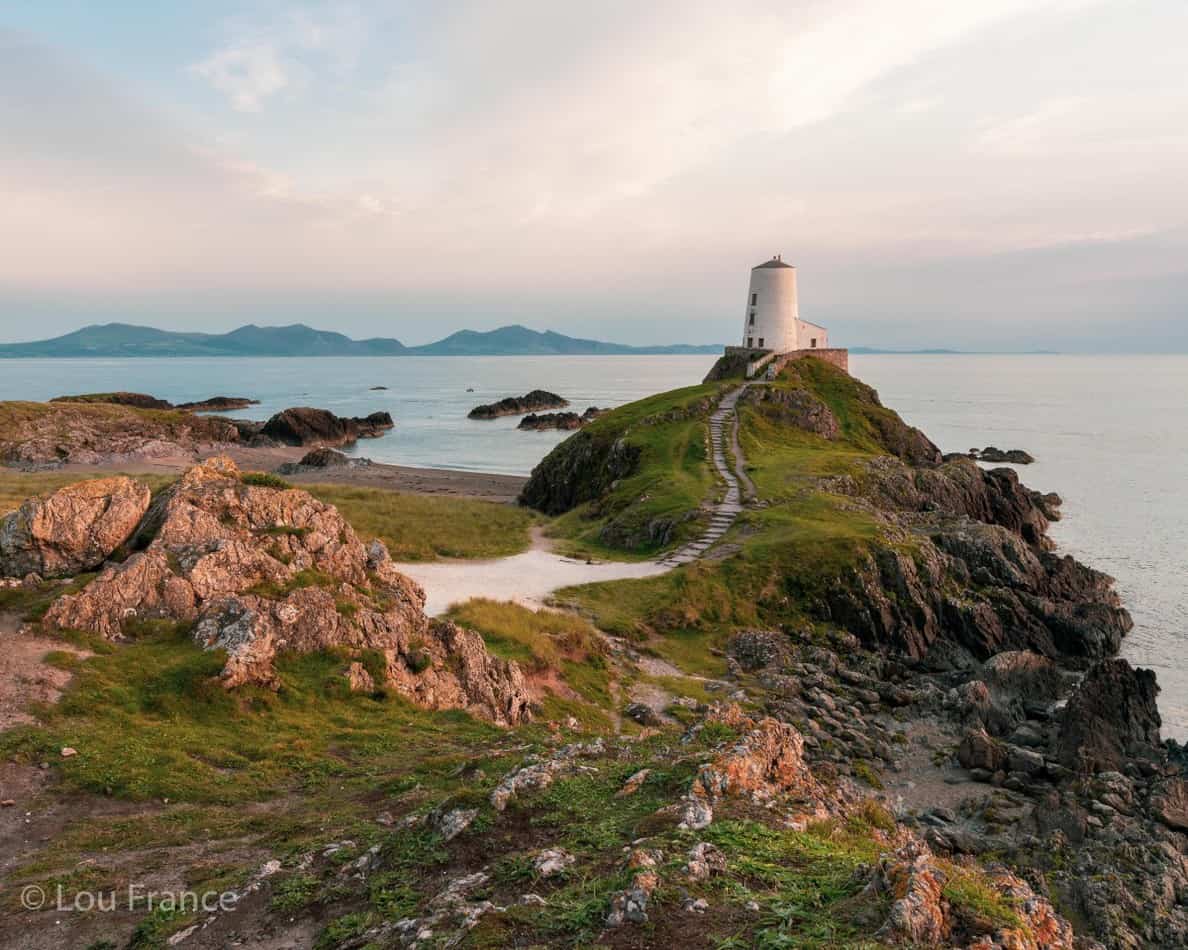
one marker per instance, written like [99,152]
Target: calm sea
[1110,434]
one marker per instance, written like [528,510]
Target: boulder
[258,569]
[74,529]
[1110,719]
[324,458]
[979,751]
[304,425]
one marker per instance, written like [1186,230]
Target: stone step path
[723,426]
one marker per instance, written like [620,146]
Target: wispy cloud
[260,58]
[246,75]
[635,165]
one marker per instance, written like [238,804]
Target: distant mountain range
[125,340]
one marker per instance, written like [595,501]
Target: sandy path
[526,578]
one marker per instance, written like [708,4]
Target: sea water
[1110,435]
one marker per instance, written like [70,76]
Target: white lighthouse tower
[772,320]
[773,333]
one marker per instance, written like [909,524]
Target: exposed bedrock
[259,570]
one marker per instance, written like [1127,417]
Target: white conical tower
[772,311]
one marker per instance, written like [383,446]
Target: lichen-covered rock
[258,570]
[923,915]
[918,912]
[74,529]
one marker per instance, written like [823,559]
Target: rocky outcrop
[559,420]
[74,529]
[136,400]
[305,425]
[767,763]
[926,910]
[42,435]
[992,454]
[256,570]
[550,420]
[143,401]
[1111,719]
[218,404]
[793,407]
[968,591]
[534,401]
[582,468]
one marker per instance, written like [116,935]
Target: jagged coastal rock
[258,569]
[1011,456]
[218,404]
[559,420]
[307,426]
[534,401]
[74,529]
[98,430]
[879,709]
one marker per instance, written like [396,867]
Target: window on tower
[814,343]
[754,299]
[752,323]
[760,342]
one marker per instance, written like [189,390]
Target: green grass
[972,897]
[264,480]
[150,721]
[539,640]
[789,551]
[551,647]
[672,477]
[425,527]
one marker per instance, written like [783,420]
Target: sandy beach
[420,481]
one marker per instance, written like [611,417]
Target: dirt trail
[25,677]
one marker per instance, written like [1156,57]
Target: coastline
[484,486]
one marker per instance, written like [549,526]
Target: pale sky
[961,173]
